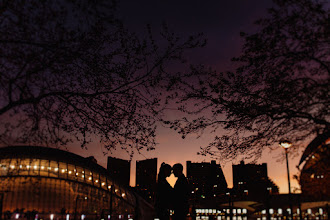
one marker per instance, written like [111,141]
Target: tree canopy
[70,70]
[279,90]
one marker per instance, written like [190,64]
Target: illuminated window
[321,211]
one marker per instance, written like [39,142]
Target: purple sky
[221,22]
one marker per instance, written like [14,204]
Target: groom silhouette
[181,193]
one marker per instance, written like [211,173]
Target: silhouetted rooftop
[49,153]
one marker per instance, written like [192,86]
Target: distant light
[263,211]
[77,174]
[36,217]
[49,168]
[309,211]
[12,166]
[56,169]
[96,181]
[28,166]
[109,217]
[244,211]
[42,167]
[70,172]
[85,197]
[109,187]
[51,216]
[82,176]
[17,216]
[20,166]
[123,194]
[82,217]
[63,170]
[215,185]
[35,167]
[103,184]
[67,217]
[289,210]
[90,178]
[116,190]
[271,211]
[280,211]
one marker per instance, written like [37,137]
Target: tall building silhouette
[119,169]
[250,181]
[146,177]
[207,179]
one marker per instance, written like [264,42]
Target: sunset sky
[221,22]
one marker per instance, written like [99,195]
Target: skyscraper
[251,181]
[206,179]
[146,177]
[119,169]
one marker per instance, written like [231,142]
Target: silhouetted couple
[172,198]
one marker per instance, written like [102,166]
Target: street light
[286,145]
